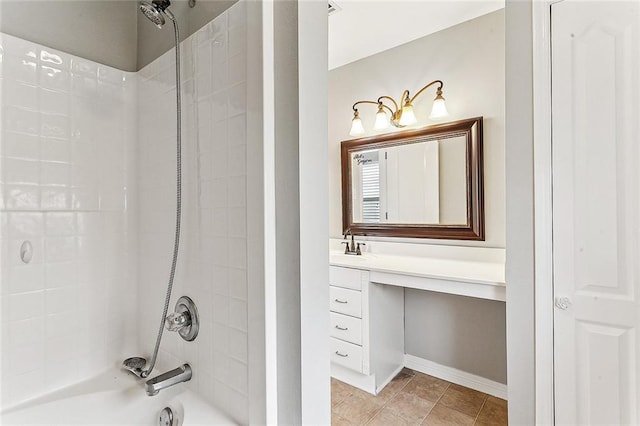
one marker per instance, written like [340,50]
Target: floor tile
[443,416]
[366,396]
[493,412]
[396,385]
[464,400]
[410,407]
[426,387]
[339,392]
[413,399]
[408,371]
[357,410]
[337,420]
[501,402]
[386,417]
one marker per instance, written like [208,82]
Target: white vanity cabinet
[366,329]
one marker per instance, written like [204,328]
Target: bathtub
[114,398]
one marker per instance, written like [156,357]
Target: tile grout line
[437,401]
[389,400]
[479,411]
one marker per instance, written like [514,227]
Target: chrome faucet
[352,248]
[168,379]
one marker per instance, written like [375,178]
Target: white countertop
[444,269]
[482,279]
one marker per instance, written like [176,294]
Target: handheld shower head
[155,11]
[136,365]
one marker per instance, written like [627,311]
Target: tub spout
[170,378]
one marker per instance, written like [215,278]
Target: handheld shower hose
[138,365]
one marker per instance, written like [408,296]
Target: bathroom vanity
[367,302]
[366,323]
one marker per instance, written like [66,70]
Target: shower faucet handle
[177,321]
[184,320]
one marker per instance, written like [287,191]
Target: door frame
[543,212]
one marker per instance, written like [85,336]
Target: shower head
[155,11]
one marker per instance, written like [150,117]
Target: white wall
[212,267]
[469,58]
[314,223]
[67,132]
[520,213]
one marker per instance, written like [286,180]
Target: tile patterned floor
[414,398]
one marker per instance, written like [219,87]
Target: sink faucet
[170,378]
[353,248]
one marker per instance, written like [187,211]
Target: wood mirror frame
[471,129]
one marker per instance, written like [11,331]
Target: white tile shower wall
[66,150]
[213,255]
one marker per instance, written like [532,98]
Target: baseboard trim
[456,376]
[361,381]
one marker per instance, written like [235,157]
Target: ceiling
[363,28]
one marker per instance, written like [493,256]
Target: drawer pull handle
[340,301]
[342,329]
[342,355]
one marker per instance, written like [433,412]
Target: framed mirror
[425,183]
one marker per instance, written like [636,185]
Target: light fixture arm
[395,104]
[425,88]
[363,102]
[404,99]
[378,103]
[402,112]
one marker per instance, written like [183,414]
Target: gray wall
[460,332]
[111,32]
[100,30]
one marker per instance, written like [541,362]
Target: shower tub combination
[115,398]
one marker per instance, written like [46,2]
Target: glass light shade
[408,117]
[439,109]
[357,128]
[382,121]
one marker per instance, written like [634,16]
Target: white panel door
[596,213]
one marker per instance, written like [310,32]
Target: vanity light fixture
[401,116]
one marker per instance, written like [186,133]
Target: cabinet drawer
[345,301]
[346,328]
[345,277]
[346,354]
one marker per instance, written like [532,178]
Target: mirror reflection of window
[366,186]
